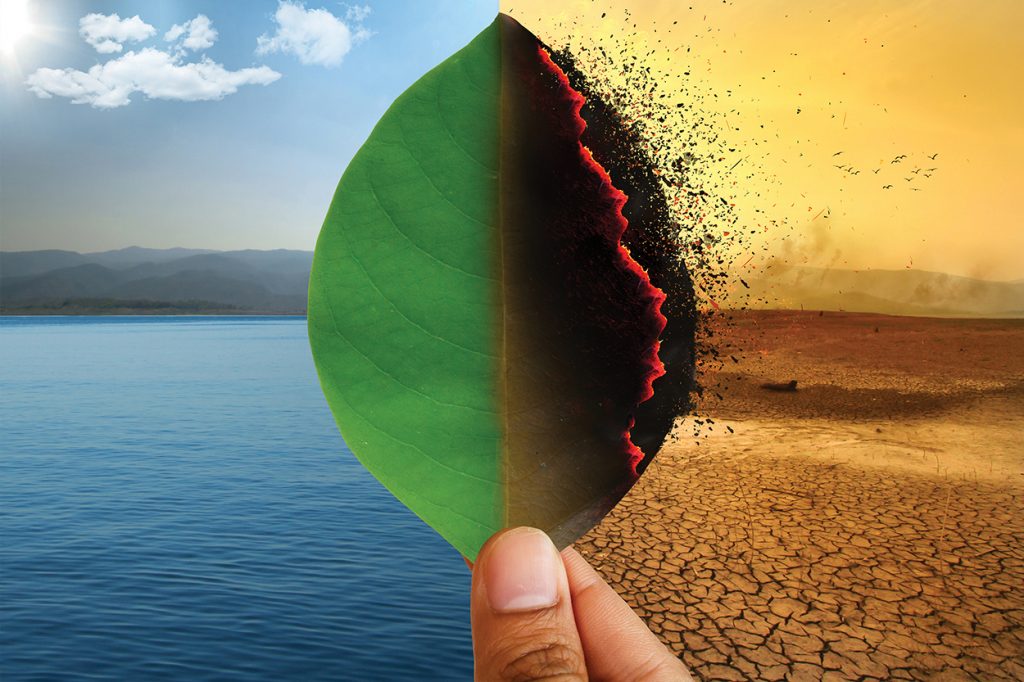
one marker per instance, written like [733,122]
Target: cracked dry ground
[787,550]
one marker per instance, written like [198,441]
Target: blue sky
[255,168]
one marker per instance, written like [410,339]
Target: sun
[15,23]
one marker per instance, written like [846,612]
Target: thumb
[523,625]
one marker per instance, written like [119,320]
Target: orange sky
[872,79]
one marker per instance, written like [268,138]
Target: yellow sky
[872,79]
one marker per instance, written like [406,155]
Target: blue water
[176,504]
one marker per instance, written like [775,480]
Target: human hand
[538,615]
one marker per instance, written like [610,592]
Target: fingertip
[522,617]
[580,573]
[522,571]
[616,642]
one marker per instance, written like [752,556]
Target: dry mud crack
[766,555]
[756,568]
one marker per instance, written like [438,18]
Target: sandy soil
[869,525]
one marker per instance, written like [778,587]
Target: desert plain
[867,526]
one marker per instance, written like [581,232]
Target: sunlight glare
[14,23]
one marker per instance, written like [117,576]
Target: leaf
[482,337]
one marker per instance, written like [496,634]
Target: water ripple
[176,504]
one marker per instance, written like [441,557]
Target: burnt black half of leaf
[581,317]
[653,240]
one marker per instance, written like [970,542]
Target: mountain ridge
[247,280]
[274,281]
[895,292]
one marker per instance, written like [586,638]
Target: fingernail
[522,571]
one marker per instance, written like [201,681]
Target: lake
[176,503]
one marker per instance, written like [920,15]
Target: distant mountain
[134,255]
[242,281]
[22,263]
[78,281]
[894,292]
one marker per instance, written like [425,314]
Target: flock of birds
[917,173]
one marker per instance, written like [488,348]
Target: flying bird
[876,171]
[899,158]
[932,157]
[837,153]
[886,186]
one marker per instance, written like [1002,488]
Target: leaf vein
[365,419]
[376,199]
[394,307]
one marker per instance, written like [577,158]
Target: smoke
[812,245]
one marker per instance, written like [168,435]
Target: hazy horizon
[765,274]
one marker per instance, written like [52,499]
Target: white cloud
[199,33]
[315,36]
[156,74]
[106,32]
[358,13]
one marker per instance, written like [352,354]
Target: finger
[617,644]
[523,627]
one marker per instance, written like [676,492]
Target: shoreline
[233,314]
[735,313]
